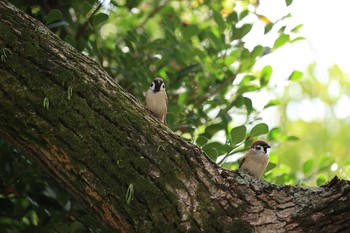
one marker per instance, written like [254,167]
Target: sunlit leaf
[297,39]
[273,102]
[325,164]
[297,28]
[268,27]
[308,164]
[281,40]
[258,51]
[274,134]
[288,2]
[247,88]
[247,79]
[238,134]
[259,129]
[295,76]
[321,180]
[53,16]
[265,75]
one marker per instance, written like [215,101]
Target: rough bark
[130,171]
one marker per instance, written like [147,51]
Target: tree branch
[100,141]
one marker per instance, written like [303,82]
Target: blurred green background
[218,98]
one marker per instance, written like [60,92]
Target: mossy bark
[129,170]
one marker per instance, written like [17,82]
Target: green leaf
[53,16]
[270,166]
[274,134]
[245,29]
[295,76]
[247,88]
[268,28]
[232,18]
[258,51]
[201,140]
[272,103]
[308,166]
[288,2]
[99,18]
[212,153]
[232,57]
[61,227]
[321,180]
[70,40]
[77,227]
[238,134]
[220,148]
[219,20]
[292,138]
[265,75]
[297,28]
[248,104]
[243,14]
[259,129]
[281,40]
[238,102]
[86,7]
[189,31]
[129,194]
[298,38]
[247,79]
[212,129]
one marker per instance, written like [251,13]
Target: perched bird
[157,99]
[256,159]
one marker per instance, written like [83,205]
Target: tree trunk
[130,171]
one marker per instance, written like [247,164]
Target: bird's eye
[259,147]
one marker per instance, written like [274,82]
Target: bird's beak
[267,146]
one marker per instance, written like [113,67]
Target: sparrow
[157,99]
[256,159]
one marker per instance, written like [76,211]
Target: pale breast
[157,102]
[255,163]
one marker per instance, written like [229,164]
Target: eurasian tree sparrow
[256,159]
[157,99]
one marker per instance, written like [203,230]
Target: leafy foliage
[30,200]
[199,48]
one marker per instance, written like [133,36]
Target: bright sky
[326,29]
[327,33]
